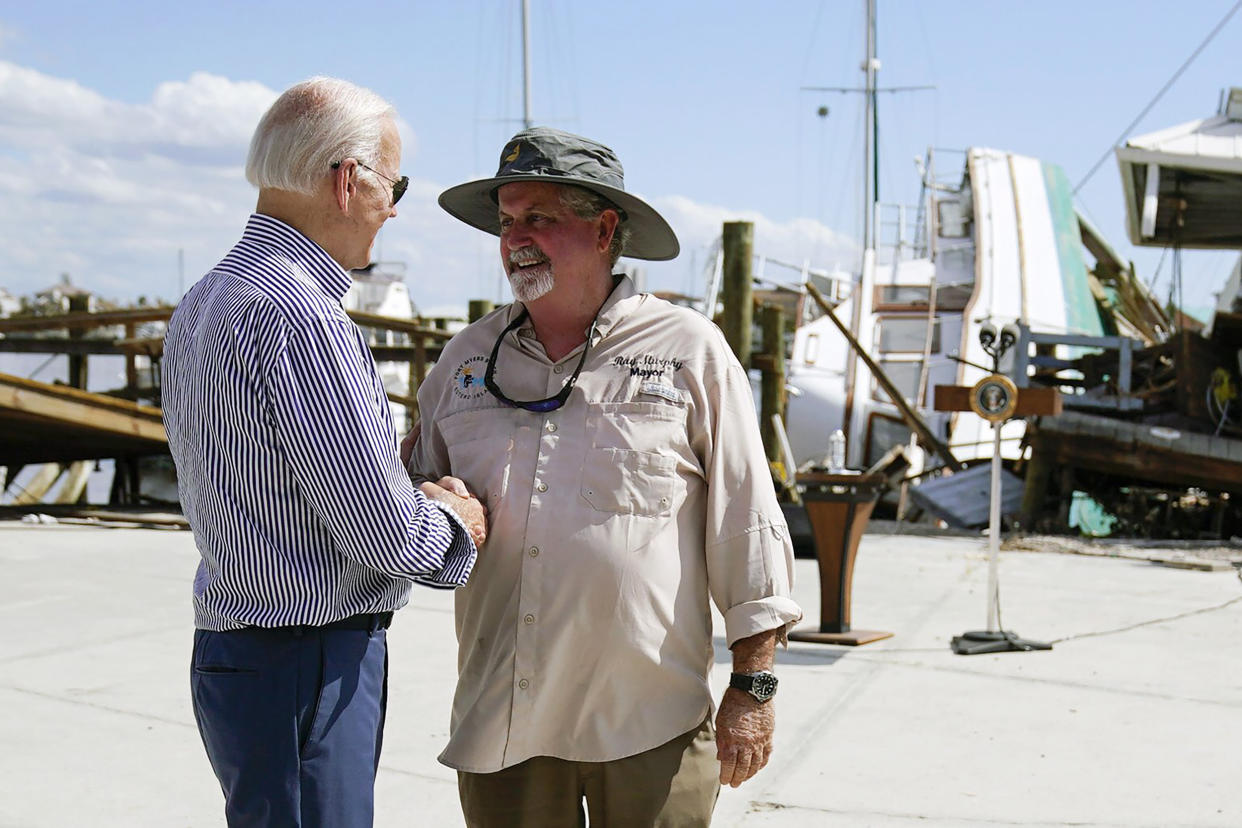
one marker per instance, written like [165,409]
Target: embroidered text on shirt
[647,365]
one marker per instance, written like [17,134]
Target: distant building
[9,304]
[380,288]
[58,297]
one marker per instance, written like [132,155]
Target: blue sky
[123,126]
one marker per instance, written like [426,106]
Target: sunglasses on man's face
[399,186]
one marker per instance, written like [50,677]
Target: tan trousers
[674,785]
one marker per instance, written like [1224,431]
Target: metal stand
[994,639]
[983,641]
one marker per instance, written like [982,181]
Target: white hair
[312,126]
[588,204]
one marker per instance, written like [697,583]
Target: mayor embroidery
[647,365]
[468,378]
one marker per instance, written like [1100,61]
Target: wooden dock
[44,423]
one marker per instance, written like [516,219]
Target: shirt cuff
[459,558]
[777,612]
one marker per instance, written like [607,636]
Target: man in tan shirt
[612,436]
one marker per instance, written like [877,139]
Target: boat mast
[871,164]
[854,426]
[526,121]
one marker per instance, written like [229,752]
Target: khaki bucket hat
[557,157]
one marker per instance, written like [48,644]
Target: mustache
[529,255]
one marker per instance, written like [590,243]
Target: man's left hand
[743,736]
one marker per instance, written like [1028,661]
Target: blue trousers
[292,719]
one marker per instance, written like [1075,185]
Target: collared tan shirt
[584,632]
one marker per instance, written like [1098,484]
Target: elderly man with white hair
[309,530]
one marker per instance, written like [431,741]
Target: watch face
[763,686]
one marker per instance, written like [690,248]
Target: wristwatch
[760,685]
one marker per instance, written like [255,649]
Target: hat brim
[651,238]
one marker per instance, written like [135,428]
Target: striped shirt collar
[266,231]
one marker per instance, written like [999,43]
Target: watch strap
[761,685]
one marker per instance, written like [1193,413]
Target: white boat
[1003,244]
[994,239]
[379,288]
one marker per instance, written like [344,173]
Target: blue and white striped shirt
[286,454]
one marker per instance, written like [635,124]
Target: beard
[534,280]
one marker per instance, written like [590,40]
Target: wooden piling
[1038,475]
[480,308]
[73,490]
[38,486]
[131,362]
[78,374]
[419,364]
[739,244]
[772,383]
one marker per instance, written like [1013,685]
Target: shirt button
[556,369]
[551,426]
[523,684]
[534,551]
[543,487]
[529,619]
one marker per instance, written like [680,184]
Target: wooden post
[73,489]
[417,372]
[10,474]
[480,308]
[116,494]
[131,362]
[1038,475]
[419,365]
[739,243]
[772,385]
[1067,496]
[77,362]
[39,485]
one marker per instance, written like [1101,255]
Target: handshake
[452,492]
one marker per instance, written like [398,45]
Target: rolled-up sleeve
[749,551]
[330,417]
[458,559]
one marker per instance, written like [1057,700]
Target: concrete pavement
[1133,719]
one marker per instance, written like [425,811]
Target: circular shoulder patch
[468,378]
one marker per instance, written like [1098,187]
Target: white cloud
[110,191]
[208,110]
[795,241]
[202,120]
[698,227]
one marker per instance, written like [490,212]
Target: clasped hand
[450,491]
[453,493]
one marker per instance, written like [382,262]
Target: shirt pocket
[630,467]
[480,448]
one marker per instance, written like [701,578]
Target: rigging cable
[1159,95]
